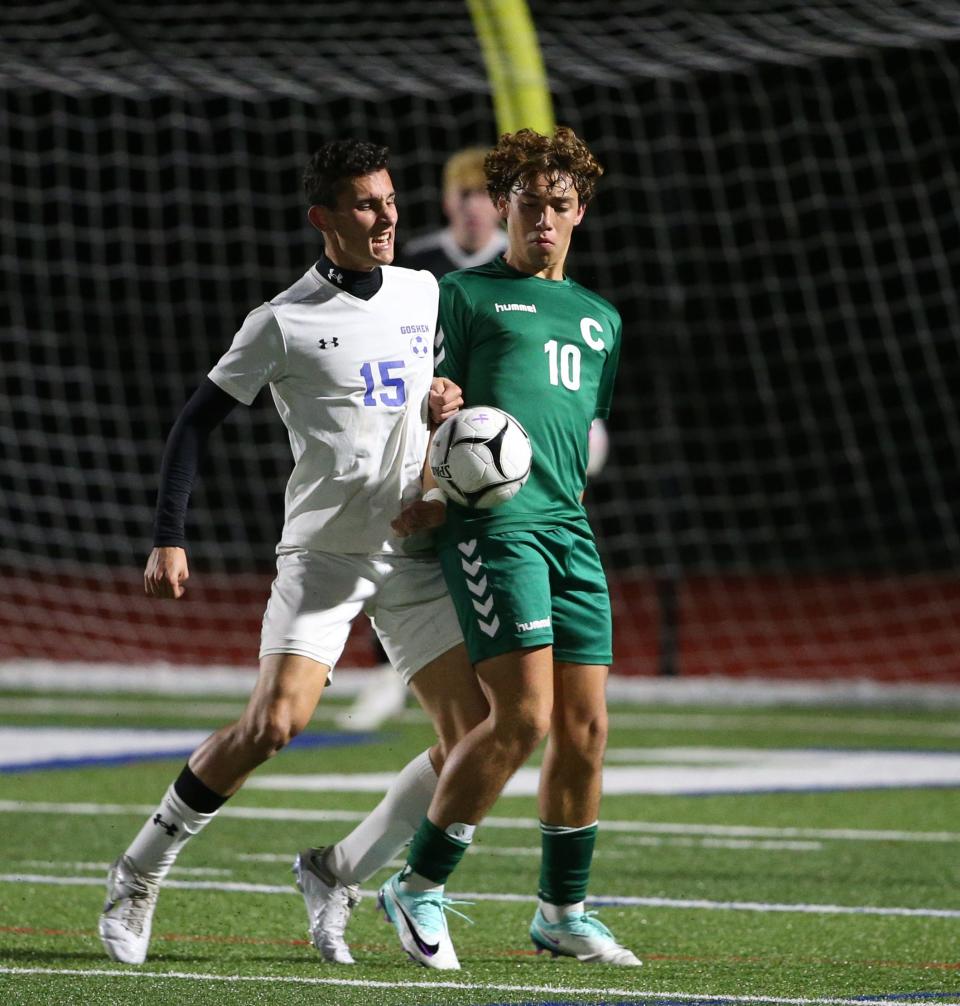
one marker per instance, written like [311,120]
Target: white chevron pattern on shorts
[471,568]
[491,629]
[484,609]
[472,565]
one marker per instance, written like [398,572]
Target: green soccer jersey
[546,352]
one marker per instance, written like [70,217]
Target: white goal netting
[779,226]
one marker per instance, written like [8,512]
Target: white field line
[196,709]
[623,901]
[746,844]
[720,722]
[739,723]
[574,990]
[482,849]
[187,871]
[691,771]
[137,809]
[166,679]
[515,823]
[200,709]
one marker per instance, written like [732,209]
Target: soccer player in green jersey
[526,577]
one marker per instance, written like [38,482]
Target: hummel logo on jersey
[170,829]
[529,308]
[332,343]
[537,623]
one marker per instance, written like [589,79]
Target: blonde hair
[464,169]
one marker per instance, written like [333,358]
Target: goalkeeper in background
[526,577]
[473,235]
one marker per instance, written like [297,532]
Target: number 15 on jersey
[375,393]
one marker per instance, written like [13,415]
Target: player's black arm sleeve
[206,409]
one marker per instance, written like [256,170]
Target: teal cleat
[421,923]
[582,936]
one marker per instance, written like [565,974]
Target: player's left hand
[421,515]
[446,399]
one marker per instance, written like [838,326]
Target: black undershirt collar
[359,284]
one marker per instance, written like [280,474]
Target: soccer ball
[480,457]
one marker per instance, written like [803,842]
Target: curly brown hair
[518,157]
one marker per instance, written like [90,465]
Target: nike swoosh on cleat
[427,948]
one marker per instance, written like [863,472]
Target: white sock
[383,833]
[413,881]
[557,913]
[166,832]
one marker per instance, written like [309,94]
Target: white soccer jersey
[350,379]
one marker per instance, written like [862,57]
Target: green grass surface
[709,925]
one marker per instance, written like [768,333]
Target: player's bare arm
[430,510]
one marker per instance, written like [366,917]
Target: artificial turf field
[846,896]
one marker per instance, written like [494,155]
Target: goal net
[778,226]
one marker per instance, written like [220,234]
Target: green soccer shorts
[519,589]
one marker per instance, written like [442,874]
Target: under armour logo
[337,277]
[170,829]
[331,343]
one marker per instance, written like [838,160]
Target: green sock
[433,853]
[565,862]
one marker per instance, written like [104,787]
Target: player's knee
[454,727]
[523,729]
[584,739]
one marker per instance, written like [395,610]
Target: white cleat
[329,904]
[421,923]
[582,936]
[127,916]
[380,700]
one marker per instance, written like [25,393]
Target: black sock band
[196,794]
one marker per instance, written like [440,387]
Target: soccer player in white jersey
[347,352]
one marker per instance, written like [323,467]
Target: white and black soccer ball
[480,457]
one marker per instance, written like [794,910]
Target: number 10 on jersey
[564,362]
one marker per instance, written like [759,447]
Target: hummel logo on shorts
[537,623]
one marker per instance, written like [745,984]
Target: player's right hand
[166,572]
[445,399]
[421,515]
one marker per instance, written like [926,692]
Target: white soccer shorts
[317,595]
